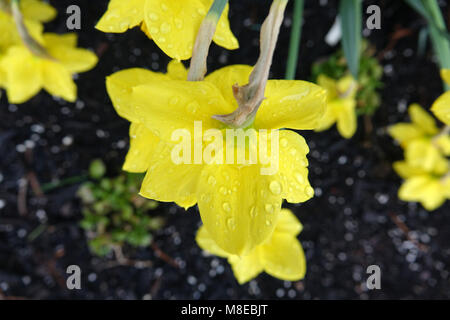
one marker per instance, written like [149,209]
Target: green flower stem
[198,67]
[294,44]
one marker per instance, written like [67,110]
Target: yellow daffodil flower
[441,107]
[239,206]
[35,12]
[341,105]
[27,74]
[173,25]
[281,255]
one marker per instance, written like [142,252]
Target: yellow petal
[223,36]
[119,86]
[283,257]
[443,142]
[226,77]
[142,146]
[441,108]
[293,167]
[405,132]
[176,70]
[37,10]
[207,243]
[58,81]
[54,39]
[121,16]
[330,85]
[246,267]
[159,105]
[291,104]
[424,189]
[423,154]
[288,223]
[170,182]
[346,121]
[405,170]
[75,60]
[23,74]
[422,119]
[328,119]
[237,205]
[445,75]
[174,25]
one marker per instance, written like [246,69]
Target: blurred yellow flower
[173,25]
[425,171]
[239,206]
[441,107]
[26,74]
[341,105]
[281,255]
[35,12]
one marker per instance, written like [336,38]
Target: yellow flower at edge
[239,206]
[281,255]
[26,74]
[173,25]
[441,107]
[341,105]
[35,12]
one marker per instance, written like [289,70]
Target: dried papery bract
[250,96]
[35,47]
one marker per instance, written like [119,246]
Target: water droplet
[211,180]
[226,206]
[268,223]
[275,187]
[269,208]
[223,191]
[253,212]
[178,23]
[165,27]
[153,16]
[231,223]
[299,178]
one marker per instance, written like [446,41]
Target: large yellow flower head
[26,74]
[341,105]
[173,25]
[281,255]
[35,12]
[238,204]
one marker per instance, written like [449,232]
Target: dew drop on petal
[299,178]
[212,180]
[309,191]
[275,187]
[226,206]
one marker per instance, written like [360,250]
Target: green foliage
[369,80]
[351,23]
[114,213]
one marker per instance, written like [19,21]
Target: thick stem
[250,96]
[198,68]
[294,44]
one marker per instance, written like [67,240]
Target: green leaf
[351,22]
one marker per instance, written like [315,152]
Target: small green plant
[114,213]
[369,77]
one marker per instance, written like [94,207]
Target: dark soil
[354,221]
